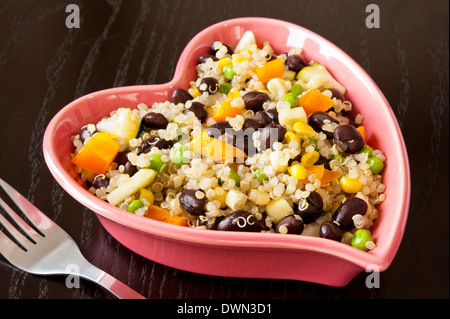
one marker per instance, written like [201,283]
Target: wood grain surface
[44,65]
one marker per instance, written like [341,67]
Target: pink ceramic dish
[236,254]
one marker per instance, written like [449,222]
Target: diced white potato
[259,197]
[140,179]
[311,229]
[236,200]
[278,208]
[247,39]
[288,116]
[278,161]
[277,87]
[124,125]
[317,76]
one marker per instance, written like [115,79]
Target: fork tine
[19,221]
[36,217]
[7,247]
[21,239]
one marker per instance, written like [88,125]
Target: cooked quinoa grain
[292,160]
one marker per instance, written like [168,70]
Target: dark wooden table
[44,65]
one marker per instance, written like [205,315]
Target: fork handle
[113,285]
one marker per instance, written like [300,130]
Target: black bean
[348,209]
[295,159]
[262,223]
[121,158]
[289,225]
[180,96]
[212,226]
[84,133]
[250,123]
[218,129]
[310,208]
[318,120]
[337,94]
[271,57]
[239,220]
[331,231]
[153,120]
[271,133]
[348,139]
[190,202]
[204,58]
[273,114]
[259,120]
[100,181]
[322,161]
[295,63]
[129,168]
[154,141]
[349,117]
[262,117]
[209,226]
[254,100]
[230,51]
[208,84]
[199,110]
[241,141]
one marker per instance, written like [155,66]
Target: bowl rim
[381,257]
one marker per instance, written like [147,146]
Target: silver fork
[47,249]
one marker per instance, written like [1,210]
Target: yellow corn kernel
[350,185]
[241,58]
[304,129]
[310,158]
[224,62]
[220,196]
[148,195]
[298,171]
[195,93]
[290,136]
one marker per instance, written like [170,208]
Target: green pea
[360,239]
[234,176]
[228,72]
[338,158]
[260,175]
[135,205]
[157,164]
[292,99]
[376,165]
[178,156]
[313,142]
[366,149]
[224,88]
[297,89]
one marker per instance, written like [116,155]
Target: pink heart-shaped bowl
[240,254]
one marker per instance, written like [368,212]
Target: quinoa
[265,177]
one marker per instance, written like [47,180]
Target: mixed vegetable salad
[261,141]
